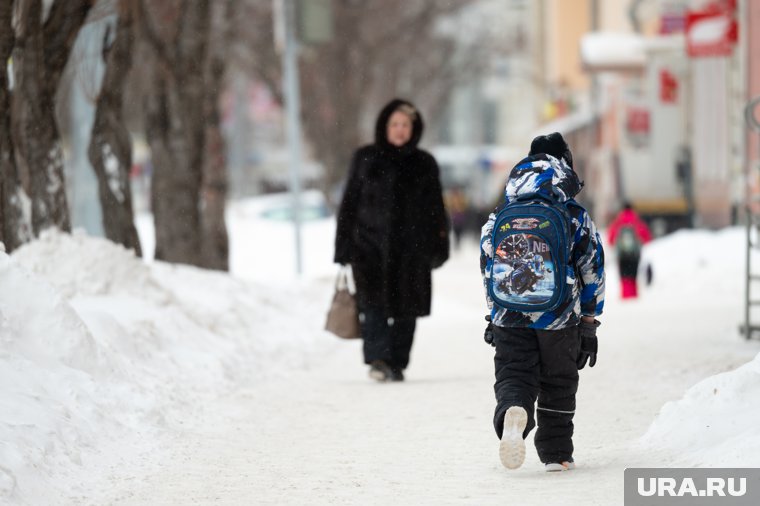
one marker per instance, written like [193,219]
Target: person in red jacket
[628,233]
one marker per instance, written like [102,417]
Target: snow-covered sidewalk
[310,428]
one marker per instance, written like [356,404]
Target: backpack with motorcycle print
[531,240]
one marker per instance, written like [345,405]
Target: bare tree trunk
[176,178]
[175,128]
[38,140]
[40,57]
[215,241]
[110,150]
[14,231]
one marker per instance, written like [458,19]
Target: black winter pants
[539,365]
[629,265]
[386,339]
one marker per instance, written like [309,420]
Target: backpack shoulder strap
[573,203]
[532,196]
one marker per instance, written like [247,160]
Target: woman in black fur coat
[393,230]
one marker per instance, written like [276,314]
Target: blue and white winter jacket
[551,177]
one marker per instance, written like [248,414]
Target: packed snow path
[327,434]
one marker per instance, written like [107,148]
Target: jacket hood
[381,137]
[545,175]
[627,216]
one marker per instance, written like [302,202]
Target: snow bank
[99,347]
[263,242]
[714,424]
[698,258]
[103,357]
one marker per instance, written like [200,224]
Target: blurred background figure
[456,205]
[392,230]
[628,233]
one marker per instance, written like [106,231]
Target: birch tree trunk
[14,230]
[41,53]
[110,149]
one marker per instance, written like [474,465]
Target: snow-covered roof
[615,51]
[568,123]
[618,51]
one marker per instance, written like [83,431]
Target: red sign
[637,120]
[637,125]
[668,87]
[713,31]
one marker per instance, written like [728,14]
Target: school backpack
[628,243]
[532,239]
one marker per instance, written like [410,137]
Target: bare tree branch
[380,49]
[151,36]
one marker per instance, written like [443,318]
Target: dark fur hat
[553,144]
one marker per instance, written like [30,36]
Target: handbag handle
[345,279]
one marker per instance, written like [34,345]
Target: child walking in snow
[628,233]
[544,290]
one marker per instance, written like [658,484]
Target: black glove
[589,343]
[488,334]
[442,250]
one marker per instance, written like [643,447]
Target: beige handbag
[343,316]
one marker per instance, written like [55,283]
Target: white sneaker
[512,446]
[559,466]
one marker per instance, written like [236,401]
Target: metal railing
[753,221]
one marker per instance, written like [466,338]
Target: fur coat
[392,225]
